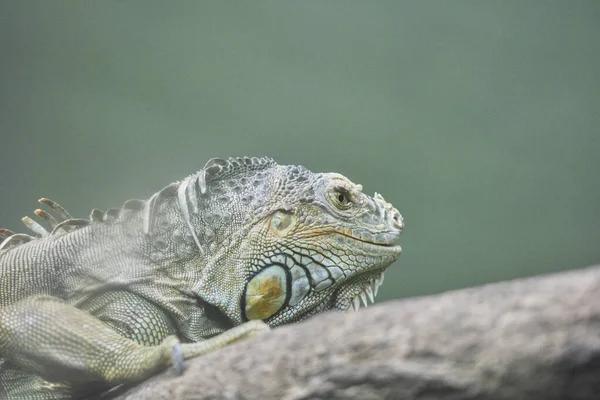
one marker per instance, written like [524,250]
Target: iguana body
[202,263]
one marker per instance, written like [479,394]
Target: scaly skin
[242,245]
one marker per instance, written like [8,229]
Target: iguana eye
[341,198]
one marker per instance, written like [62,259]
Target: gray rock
[536,338]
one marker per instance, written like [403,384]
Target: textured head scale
[282,243]
[217,169]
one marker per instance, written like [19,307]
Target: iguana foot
[189,350]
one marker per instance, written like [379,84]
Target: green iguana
[243,245]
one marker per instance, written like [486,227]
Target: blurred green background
[478,120]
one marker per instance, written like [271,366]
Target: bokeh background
[478,120]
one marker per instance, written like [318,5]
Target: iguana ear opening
[266,293]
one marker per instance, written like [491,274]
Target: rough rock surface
[536,338]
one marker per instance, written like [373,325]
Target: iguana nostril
[398,221]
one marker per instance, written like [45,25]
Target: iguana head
[284,243]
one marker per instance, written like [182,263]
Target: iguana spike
[6,232]
[191,193]
[70,225]
[220,168]
[134,204]
[62,213]
[97,215]
[49,218]
[35,227]
[150,204]
[111,213]
[202,181]
[4,236]
[183,206]
[15,240]
[148,212]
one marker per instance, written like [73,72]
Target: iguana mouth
[386,243]
[361,238]
[385,238]
[388,240]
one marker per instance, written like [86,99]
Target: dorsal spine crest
[189,191]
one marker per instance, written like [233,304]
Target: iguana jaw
[364,286]
[281,297]
[381,243]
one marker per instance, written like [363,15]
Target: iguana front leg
[53,339]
